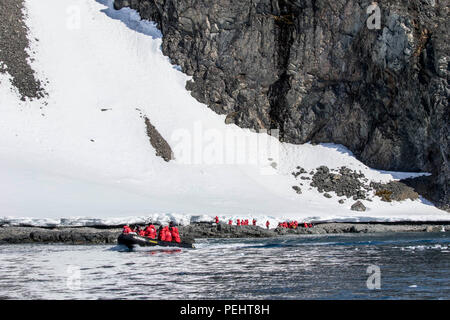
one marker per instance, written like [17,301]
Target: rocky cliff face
[317,72]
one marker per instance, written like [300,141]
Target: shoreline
[108,235]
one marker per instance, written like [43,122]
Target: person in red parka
[306,225]
[267,224]
[139,231]
[150,231]
[254,222]
[175,234]
[238,222]
[217,220]
[168,234]
[230,222]
[161,234]
[126,230]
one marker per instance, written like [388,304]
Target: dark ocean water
[410,265]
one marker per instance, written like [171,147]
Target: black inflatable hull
[131,240]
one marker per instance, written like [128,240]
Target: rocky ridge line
[95,236]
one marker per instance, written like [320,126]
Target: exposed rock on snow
[358,206]
[352,184]
[426,186]
[345,183]
[161,146]
[297,189]
[394,191]
[14,45]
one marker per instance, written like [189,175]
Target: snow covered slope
[83,151]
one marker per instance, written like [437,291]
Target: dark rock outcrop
[358,206]
[429,187]
[394,191]
[18,235]
[14,57]
[346,182]
[355,185]
[315,71]
[160,144]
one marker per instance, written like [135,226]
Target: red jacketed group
[292,225]
[167,233]
[287,224]
[240,222]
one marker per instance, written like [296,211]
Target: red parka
[168,234]
[162,234]
[175,235]
[126,230]
[150,232]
